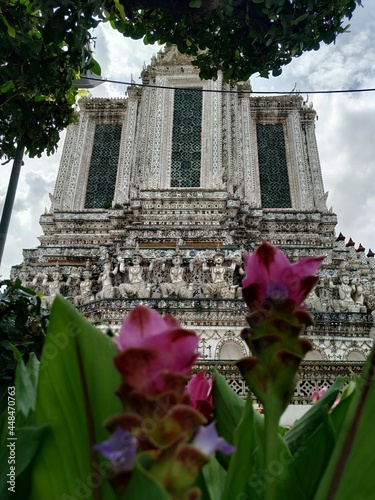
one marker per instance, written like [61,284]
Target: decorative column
[298,171]
[249,153]
[127,146]
[308,124]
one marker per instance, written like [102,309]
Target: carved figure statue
[53,287]
[40,276]
[357,293]
[177,287]
[219,287]
[24,274]
[312,301]
[73,280]
[136,287]
[106,279]
[85,287]
[345,302]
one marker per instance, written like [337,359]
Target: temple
[159,193]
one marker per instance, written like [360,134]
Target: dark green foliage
[23,324]
[239,37]
[43,48]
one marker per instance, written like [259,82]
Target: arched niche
[314,355]
[230,350]
[355,356]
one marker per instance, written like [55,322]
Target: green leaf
[314,454]
[211,480]
[70,96]
[229,408]
[6,86]
[77,381]
[350,472]
[11,31]
[195,4]
[320,445]
[247,474]
[242,426]
[28,441]
[120,9]
[26,383]
[313,418]
[95,67]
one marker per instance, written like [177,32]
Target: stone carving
[43,277]
[85,288]
[53,287]
[345,302]
[219,287]
[358,295]
[73,280]
[24,274]
[106,279]
[177,286]
[312,301]
[357,291]
[137,287]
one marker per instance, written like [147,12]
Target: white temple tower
[158,194]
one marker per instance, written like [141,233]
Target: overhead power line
[229,91]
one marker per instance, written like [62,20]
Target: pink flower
[270,275]
[200,391]
[315,395]
[156,354]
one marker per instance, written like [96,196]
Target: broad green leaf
[229,408]
[246,462]
[26,445]
[313,418]
[313,454]
[319,445]
[350,472]
[211,480]
[95,67]
[26,383]
[77,381]
[244,427]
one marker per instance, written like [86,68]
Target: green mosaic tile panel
[186,138]
[273,169]
[103,167]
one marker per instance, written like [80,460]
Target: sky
[345,129]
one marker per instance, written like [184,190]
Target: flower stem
[271,456]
